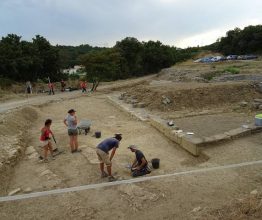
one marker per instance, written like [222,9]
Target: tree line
[237,41]
[21,60]
[131,58]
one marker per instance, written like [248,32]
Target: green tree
[48,57]
[10,53]
[156,56]
[103,65]
[131,52]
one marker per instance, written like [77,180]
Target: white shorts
[44,143]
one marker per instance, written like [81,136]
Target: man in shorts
[102,151]
[140,164]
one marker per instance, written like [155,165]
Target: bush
[210,75]
[232,70]
[74,76]
[5,83]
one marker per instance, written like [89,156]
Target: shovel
[56,151]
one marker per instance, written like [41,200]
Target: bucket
[258,120]
[155,163]
[98,134]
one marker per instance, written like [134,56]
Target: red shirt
[50,85]
[45,133]
[83,85]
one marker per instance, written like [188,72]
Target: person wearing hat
[140,164]
[71,123]
[102,151]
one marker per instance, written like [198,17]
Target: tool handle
[54,139]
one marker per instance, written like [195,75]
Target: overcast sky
[181,23]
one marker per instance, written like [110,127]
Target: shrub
[74,76]
[210,75]
[5,83]
[232,70]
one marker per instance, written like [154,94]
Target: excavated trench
[14,126]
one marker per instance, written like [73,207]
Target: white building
[73,70]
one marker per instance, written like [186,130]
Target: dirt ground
[227,193]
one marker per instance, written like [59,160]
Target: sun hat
[132,146]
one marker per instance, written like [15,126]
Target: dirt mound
[192,98]
[13,137]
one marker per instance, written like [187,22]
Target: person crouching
[140,164]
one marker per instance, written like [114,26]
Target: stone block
[254,128]
[255,105]
[46,172]
[1,166]
[141,105]
[15,191]
[258,100]
[28,190]
[33,156]
[209,140]
[134,105]
[220,137]
[243,104]
[178,138]
[238,132]
[192,144]
[29,150]
[134,101]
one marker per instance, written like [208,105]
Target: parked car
[197,60]
[250,57]
[217,58]
[240,57]
[206,60]
[231,57]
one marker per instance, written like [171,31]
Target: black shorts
[72,132]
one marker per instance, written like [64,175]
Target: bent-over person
[102,151]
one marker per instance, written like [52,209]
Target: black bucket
[155,163]
[98,134]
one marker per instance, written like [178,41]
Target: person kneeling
[140,164]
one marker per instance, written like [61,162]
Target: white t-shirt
[71,121]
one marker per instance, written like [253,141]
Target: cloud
[100,22]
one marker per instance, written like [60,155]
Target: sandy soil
[204,195]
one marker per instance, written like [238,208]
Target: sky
[180,23]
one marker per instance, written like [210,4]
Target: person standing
[51,88]
[28,87]
[45,139]
[140,164]
[71,123]
[83,86]
[63,85]
[102,151]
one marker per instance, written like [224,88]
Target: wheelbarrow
[84,126]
